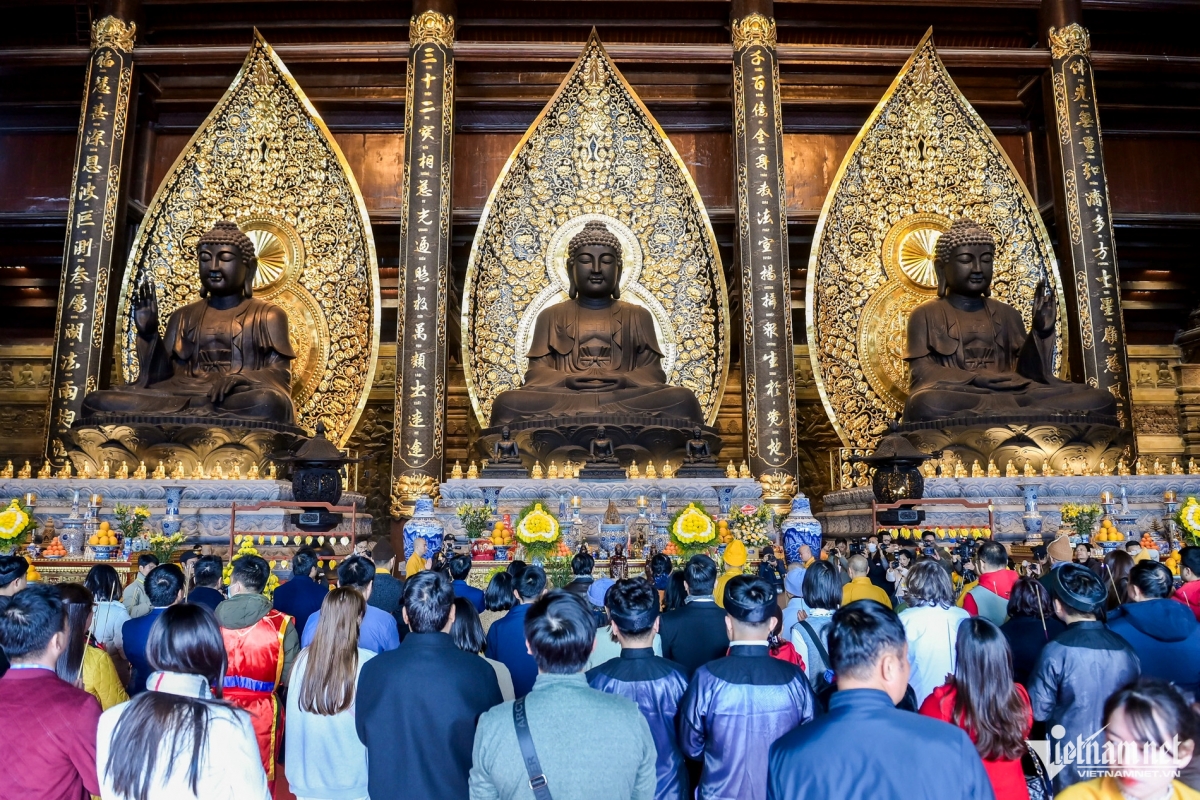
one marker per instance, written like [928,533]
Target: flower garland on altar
[1188,517]
[692,529]
[538,530]
[755,528]
[15,522]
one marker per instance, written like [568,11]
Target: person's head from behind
[985,700]
[582,564]
[560,632]
[358,573]
[146,562]
[331,663]
[516,568]
[467,630]
[928,584]
[632,606]
[858,566]
[77,605]
[531,585]
[460,567]
[1078,594]
[1149,580]
[1189,564]
[660,565]
[429,602]
[304,562]
[499,593]
[748,603]
[868,649]
[207,573]
[164,585]
[700,576]
[249,575]
[992,557]
[104,583]
[1152,731]
[33,626]
[675,595]
[184,639]
[822,587]
[1029,598]
[384,555]
[12,575]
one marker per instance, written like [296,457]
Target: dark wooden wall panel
[478,159]
[35,172]
[1153,175]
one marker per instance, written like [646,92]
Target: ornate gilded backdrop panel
[265,159]
[595,152]
[923,159]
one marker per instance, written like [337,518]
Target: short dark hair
[1077,581]
[12,568]
[499,593]
[163,584]
[207,571]
[252,572]
[660,565]
[460,567]
[929,585]
[632,606]
[304,562]
[993,554]
[30,618]
[1132,543]
[428,598]
[700,574]
[382,552]
[516,568]
[860,633]
[467,630]
[1029,598]
[187,638]
[356,571]
[582,564]
[748,597]
[822,587]
[147,559]
[1153,579]
[1190,557]
[1155,711]
[103,582]
[561,631]
[531,583]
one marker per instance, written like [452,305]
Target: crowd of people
[885,673]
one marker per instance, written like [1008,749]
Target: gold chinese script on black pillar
[425,255]
[762,228]
[91,222]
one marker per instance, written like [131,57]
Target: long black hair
[986,700]
[186,639]
[104,583]
[77,605]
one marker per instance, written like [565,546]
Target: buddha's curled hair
[595,232]
[227,232]
[962,232]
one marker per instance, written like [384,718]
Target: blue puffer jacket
[1166,638]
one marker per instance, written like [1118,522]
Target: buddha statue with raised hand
[970,354]
[595,354]
[227,355]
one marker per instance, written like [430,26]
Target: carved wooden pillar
[768,369]
[1082,206]
[83,339]
[418,447]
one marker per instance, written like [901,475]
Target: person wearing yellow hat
[735,560]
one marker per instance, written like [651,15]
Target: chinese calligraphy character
[1090,171]
[419,334]
[772,359]
[1112,363]
[764,190]
[78,304]
[770,330]
[423,217]
[1101,253]
[774,418]
[92,165]
[67,363]
[67,390]
[99,111]
[762,162]
[1106,306]
[1094,198]
[1077,67]
[423,189]
[765,244]
[1098,224]
[423,244]
[101,86]
[416,419]
[428,79]
[768,300]
[83,247]
[94,138]
[426,132]
[1080,92]
[1110,334]
[417,361]
[87,192]
[757,58]
[84,219]
[764,217]
[73,331]
[773,388]
[767,273]
[80,276]
[1085,120]
[1089,145]
[427,107]
[775,448]
[761,136]
[417,390]
[425,162]
[760,82]
[65,418]
[759,109]
[415,450]
[421,274]
[420,304]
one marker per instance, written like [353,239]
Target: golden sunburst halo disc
[916,256]
[272,257]
[908,249]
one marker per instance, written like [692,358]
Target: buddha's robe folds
[948,349]
[201,347]
[595,361]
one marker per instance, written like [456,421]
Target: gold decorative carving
[265,159]
[1072,40]
[112,32]
[431,27]
[777,485]
[923,158]
[753,30]
[595,152]
[407,488]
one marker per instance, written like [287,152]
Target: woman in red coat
[982,699]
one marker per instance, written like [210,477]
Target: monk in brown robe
[971,356]
[226,355]
[595,354]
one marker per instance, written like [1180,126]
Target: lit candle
[96,500]
[1168,496]
[30,499]
[642,501]
[576,502]
[1106,497]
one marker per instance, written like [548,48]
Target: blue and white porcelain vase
[172,521]
[798,528]
[611,536]
[1032,518]
[425,525]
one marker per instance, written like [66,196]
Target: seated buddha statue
[595,354]
[970,354]
[226,355]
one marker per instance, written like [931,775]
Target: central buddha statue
[971,356]
[227,355]
[595,354]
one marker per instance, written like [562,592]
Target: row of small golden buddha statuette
[953,467]
[177,473]
[571,470]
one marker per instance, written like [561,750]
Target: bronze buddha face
[223,271]
[968,270]
[596,271]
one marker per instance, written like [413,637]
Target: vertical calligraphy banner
[91,223]
[1093,257]
[418,447]
[767,361]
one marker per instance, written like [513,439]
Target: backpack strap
[816,640]
[537,779]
